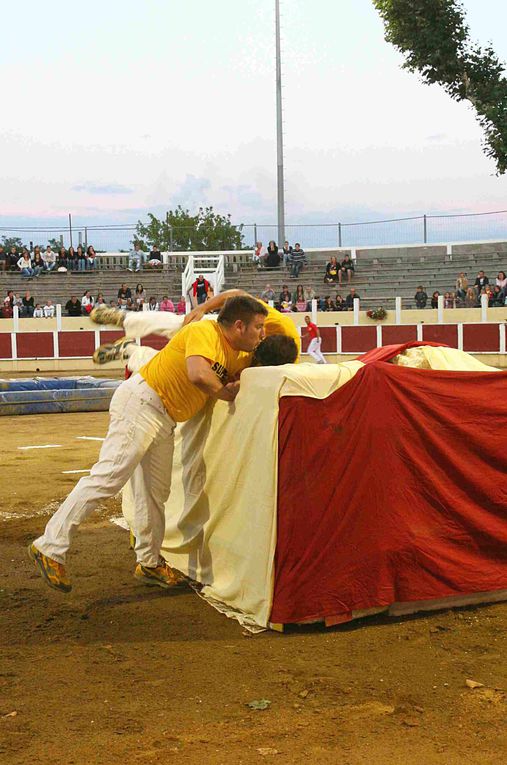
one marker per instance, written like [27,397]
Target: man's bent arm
[202,376]
[213,304]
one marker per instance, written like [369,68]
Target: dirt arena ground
[118,673]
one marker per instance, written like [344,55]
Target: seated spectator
[155,258]
[3,258]
[420,298]
[272,256]
[166,304]
[309,294]
[488,291]
[129,305]
[152,304]
[181,307]
[286,254]
[434,299]
[99,300]
[73,306]
[27,305]
[13,257]
[137,257]
[60,259]
[268,294]
[298,299]
[471,298]
[332,271]
[501,281]
[87,303]
[38,265]
[346,269]
[124,293]
[38,312]
[10,300]
[481,281]
[140,297]
[90,257]
[25,265]
[200,290]
[72,259]
[339,303]
[63,261]
[285,300]
[349,300]
[48,310]
[81,258]
[461,285]
[448,301]
[328,304]
[49,258]
[297,261]
[498,296]
[259,255]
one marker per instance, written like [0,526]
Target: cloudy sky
[114,108]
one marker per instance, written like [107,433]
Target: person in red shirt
[313,333]
[200,289]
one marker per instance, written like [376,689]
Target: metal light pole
[279,131]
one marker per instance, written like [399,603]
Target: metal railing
[419,229]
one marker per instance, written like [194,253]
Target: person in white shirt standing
[313,333]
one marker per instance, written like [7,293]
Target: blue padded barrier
[65,395]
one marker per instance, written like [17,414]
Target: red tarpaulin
[392,489]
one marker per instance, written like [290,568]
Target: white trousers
[315,352]
[142,323]
[139,446]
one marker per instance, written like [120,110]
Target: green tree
[434,38]
[12,241]
[181,231]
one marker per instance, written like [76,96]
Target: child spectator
[152,304]
[434,299]
[48,310]
[181,308]
[38,313]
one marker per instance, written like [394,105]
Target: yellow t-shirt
[167,374]
[278,324]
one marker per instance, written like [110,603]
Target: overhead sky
[114,108]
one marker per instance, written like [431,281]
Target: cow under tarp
[329,492]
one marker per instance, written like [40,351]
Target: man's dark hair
[275,350]
[241,308]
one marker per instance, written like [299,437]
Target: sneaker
[161,576]
[113,351]
[111,316]
[53,573]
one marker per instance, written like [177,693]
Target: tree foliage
[434,38]
[181,231]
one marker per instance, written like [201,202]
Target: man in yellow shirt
[196,365]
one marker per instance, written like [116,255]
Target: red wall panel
[358,339]
[5,345]
[447,334]
[401,333]
[35,345]
[110,335]
[328,335]
[481,337]
[76,343]
[155,341]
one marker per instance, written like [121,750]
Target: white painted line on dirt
[68,472]
[119,520]
[89,438]
[42,446]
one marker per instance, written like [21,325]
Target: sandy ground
[118,673]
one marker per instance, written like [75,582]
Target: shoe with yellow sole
[159,576]
[52,572]
[113,351]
